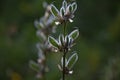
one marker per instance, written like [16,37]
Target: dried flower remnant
[66,12]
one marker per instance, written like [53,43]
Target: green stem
[64,30]
[64,53]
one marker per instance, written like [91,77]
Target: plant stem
[64,30]
[64,55]
[64,52]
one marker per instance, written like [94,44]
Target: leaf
[64,4]
[72,60]
[70,41]
[41,35]
[54,11]
[74,34]
[62,62]
[62,11]
[74,7]
[61,40]
[34,66]
[41,54]
[67,41]
[53,42]
[59,67]
[38,25]
[40,51]
[69,9]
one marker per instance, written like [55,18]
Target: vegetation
[98,45]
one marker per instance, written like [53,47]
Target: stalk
[64,52]
[64,55]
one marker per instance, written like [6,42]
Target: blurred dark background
[98,46]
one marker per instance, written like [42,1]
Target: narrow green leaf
[64,4]
[74,34]
[61,40]
[33,65]
[72,60]
[67,41]
[69,8]
[38,25]
[74,7]
[41,35]
[53,42]
[60,68]
[54,11]
[62,11]
[62,62]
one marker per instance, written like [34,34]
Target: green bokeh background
[98,45]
